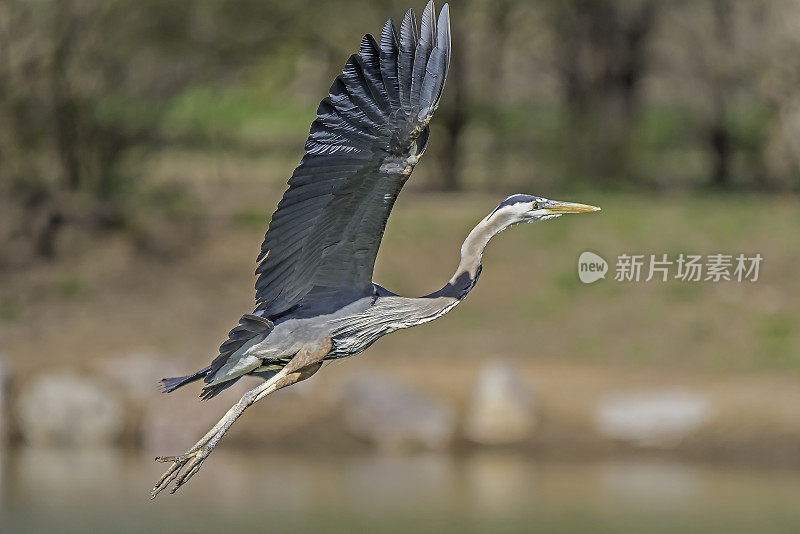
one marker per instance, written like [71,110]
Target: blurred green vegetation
[238,118]
[565,95]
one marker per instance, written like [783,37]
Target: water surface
[77,491]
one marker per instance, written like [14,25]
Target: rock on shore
[502,408]
[651,418]
[68,410]
[393,417]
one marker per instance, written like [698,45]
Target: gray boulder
[393,417]
[651,418]
[66,409]
[502,408]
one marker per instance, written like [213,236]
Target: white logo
[591,267]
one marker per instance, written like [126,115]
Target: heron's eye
[535,205]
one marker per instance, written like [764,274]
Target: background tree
[597,93]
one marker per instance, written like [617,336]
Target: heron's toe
[192,467]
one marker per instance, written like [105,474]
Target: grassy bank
[106,297]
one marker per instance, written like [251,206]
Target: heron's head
[528,208]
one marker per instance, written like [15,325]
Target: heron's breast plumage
[355,333]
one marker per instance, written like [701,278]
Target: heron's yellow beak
[559,208]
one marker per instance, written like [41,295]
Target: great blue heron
[315,296]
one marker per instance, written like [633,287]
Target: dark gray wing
[369,133]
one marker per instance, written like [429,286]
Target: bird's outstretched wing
[369,133]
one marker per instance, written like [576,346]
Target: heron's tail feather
[209,392]
[171,384]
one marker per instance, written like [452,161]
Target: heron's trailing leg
[186,465]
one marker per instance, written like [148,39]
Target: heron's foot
[182,469]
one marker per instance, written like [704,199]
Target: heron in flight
[315,298]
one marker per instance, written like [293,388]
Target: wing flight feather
[324,236]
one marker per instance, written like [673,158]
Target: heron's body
[352,323]
[352,328]
[315,297]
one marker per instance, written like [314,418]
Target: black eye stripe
[516,199]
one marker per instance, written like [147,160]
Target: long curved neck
[390,312]
[469,267]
